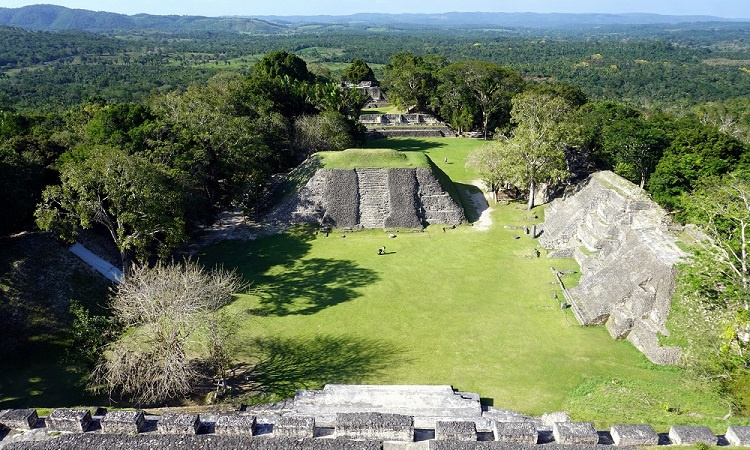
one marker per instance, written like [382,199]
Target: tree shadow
[310,286]
[405,144]
[284,365]
[283,281]
[473,199]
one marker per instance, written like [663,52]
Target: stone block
[175,423]
[550,419]
[686,435]
[235,424]
[73,420]
[634,435]
[515,432]
[578,433]
[19,419]
[296,427]
[123,422]
[455,431]
[739,436]
[374,426]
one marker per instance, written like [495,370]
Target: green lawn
[463,307]
[382,158]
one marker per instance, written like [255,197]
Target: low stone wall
[371,426]
[379,133]
[398,119]
[628,260]
[364,417]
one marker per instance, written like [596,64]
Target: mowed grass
[381,158]
[473,309]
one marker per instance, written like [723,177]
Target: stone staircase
[373,197]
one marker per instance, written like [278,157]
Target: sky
[720,8]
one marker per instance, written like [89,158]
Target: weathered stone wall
[349,417]
[412,198]
[341,199]
[398,119]
[402,188]
[435,205]
[379,133]
[627,257]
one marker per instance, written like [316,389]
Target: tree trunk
[532,188]
[127,262]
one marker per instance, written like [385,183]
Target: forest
[147,135]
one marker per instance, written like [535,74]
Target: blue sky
[721,8]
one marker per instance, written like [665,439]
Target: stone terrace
[349,417]
[628,260]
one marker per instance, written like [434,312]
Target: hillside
[58,18]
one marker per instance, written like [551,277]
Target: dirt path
[481,203]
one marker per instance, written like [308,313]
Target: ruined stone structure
[372,198]
[348,417]
[628,260]
[376,97]
[404,125]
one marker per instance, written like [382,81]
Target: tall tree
[713,295]
[492,87]
[410,80]
[134,199]
[535,152]
[634,147]
[359,71]
[280,64]
[695,151]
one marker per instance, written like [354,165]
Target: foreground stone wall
[348,417]
[628,260]
[412,198]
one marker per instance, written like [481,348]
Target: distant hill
[515,20]
[58,18]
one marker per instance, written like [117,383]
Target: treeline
[149,173]
[640,65]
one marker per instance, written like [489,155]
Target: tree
[714,288]
[280,64]
[323,132]
[359,71]
[134,199]
[535,153]
[490,161]
[173,331]
[410,80]
[634,147]
[491,87]
[696,151]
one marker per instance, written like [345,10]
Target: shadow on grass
[35,377]
[287,364]
[473,199]
[404,144]
[310,286]
[283,281]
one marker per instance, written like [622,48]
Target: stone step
[373,197]
[426,403]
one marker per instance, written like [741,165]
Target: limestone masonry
[628,260]
[373,198]
[344,417]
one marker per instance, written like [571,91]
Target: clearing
[475,310]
